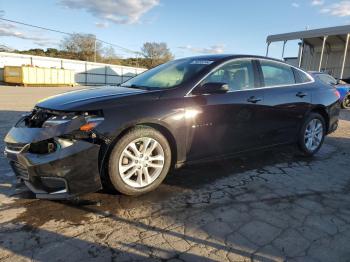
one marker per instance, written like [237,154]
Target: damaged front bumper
[67,169]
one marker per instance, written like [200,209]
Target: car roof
[318,73]
[223,57]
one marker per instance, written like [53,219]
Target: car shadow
[194,176]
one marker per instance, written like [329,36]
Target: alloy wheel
[346,102]
[141,162]
[313,134]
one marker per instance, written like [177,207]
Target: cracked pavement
[266,206]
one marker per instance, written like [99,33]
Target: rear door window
[276,74]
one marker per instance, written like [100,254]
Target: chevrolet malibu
[184,111]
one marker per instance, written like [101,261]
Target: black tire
[301,137]
[346,102]
[113,161]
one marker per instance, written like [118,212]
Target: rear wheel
[346,102]
[139,161]
[312,134]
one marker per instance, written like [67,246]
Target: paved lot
[269,206]
[18,98]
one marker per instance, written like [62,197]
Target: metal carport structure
[324,49]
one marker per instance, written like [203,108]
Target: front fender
[171,124]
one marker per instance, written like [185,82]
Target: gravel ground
[268,206]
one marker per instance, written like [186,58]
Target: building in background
[324,49]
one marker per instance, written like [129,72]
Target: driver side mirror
[211,88]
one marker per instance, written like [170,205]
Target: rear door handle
[301,94]
[254,99]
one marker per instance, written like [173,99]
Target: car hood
[89,98]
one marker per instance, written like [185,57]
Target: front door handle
[254,99]
[301,94]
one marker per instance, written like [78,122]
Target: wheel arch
[323,112]
[168,135]
[160,127]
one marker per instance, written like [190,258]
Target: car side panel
[284,112]
[226,123]
[324,98]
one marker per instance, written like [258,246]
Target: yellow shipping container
[28,75]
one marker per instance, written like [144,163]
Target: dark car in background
[185,111]
[342,87]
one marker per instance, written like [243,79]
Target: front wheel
[139,161]
[346,102]
[312,134]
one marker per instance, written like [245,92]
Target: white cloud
[10,30]
[296,5]
[340,9]
[116,11]
[101,24]
[317,2]
[214,49]
[2,13]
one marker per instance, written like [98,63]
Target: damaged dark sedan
[185,111]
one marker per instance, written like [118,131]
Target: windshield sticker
[202,62]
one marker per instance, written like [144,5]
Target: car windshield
[168,75]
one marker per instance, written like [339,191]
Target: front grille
[20,170]
[15,147]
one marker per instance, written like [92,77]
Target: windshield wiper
[138,87]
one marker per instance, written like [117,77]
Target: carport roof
[316,33]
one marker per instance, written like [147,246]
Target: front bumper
[65,173]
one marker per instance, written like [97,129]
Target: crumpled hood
[85,98]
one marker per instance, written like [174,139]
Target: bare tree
[109,53]
[83,46]
[156,53]
[109,56]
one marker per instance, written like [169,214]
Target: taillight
[336,92]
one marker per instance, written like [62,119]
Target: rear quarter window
[277,74]
[301,77]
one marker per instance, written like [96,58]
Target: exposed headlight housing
[55,120]
[92,121]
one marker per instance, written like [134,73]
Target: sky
[189,27]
